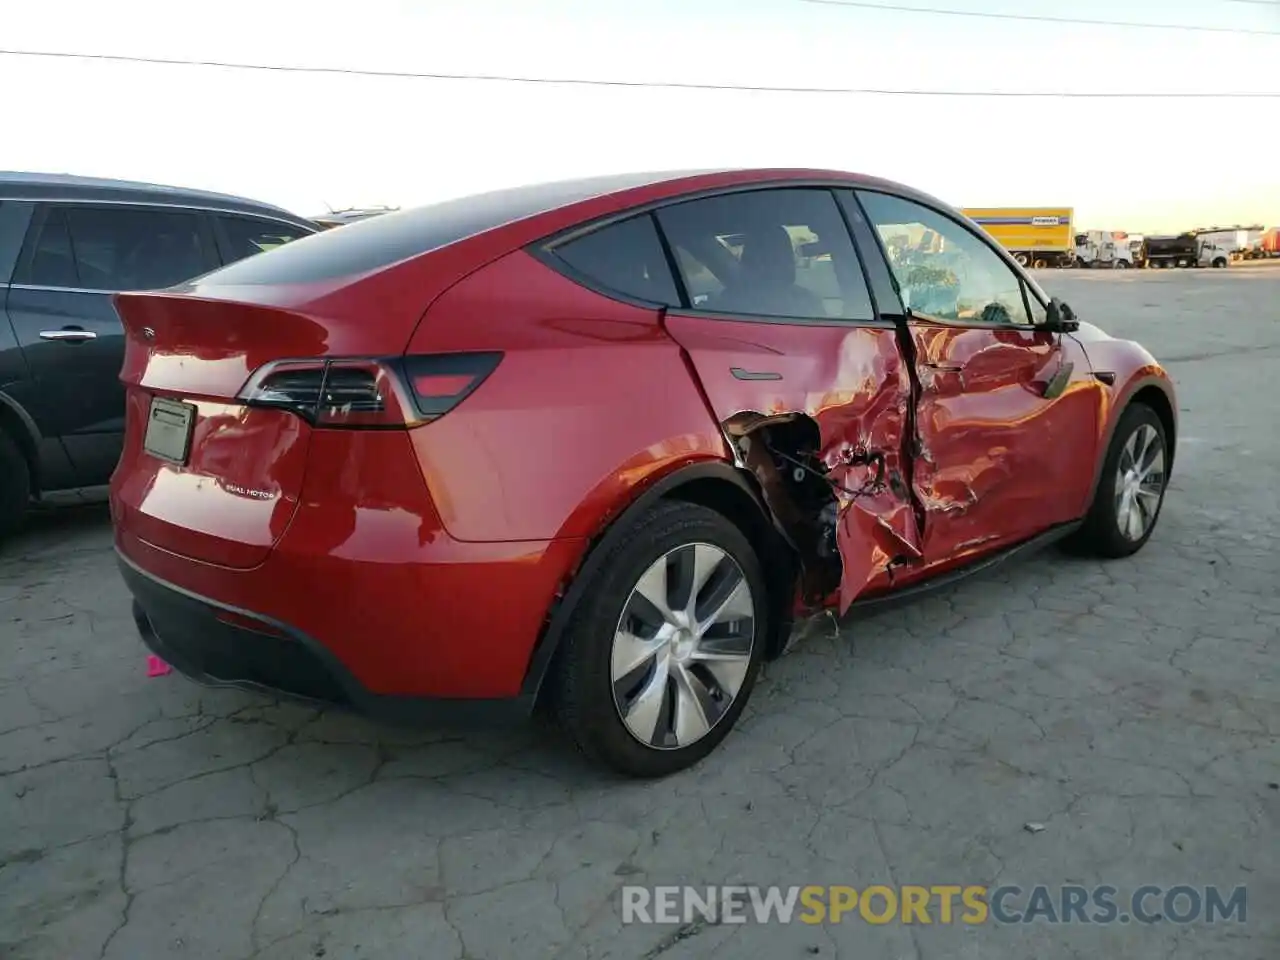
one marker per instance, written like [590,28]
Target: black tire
[583,688]
[15,486]
[1101,534]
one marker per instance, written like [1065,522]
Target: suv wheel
[1131,491]
[15,485]
[663,651]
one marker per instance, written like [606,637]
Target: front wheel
[1131,490]
[661,655]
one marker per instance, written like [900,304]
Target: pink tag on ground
[157,667]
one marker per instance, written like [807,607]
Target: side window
[625,257]
[778,253]
[48,260]
[123,248]
[246,236]
[942,269]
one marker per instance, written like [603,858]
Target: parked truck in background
[1271,242]
[1236,241]
[1103,249]
[1036,236]
[1266,246]
[1183,250]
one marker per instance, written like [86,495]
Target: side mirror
[1060,318]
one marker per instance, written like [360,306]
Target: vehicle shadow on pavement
[57,527]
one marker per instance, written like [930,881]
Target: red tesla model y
[604,445]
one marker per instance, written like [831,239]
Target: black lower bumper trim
[193,634]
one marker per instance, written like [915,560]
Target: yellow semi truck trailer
[1036,236]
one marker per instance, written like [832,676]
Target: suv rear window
[779,252]
[625,257]
[245,236]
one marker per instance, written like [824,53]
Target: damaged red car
[605,445]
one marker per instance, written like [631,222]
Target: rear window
[391,237]
[780,252]
[625,257]
[245,236]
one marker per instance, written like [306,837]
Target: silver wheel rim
[682,648]
[1139,482]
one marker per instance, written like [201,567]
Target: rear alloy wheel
[15,486]
[661,656]
[1131,491]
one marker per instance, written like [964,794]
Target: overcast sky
[310,140]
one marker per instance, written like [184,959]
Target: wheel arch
[1158,400]
[21,429]
[719,485]
[1150,391]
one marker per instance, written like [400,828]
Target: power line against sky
[1039,18]
[646,84]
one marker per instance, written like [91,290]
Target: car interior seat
[766,282]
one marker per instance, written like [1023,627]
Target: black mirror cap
[1060,318]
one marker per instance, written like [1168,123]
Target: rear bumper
[393,624]
[219,645]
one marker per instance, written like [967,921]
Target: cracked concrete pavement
[1131,707]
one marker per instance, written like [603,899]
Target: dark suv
[66,244]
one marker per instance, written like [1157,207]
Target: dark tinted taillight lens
[357,392]
[293,386]
[333,393]
[441,381]
[362,393]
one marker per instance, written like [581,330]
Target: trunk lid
[203,474]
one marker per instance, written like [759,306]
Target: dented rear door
[808,383]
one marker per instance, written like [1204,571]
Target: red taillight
[369,393]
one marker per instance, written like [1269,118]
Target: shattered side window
[625,257]
[782,253]
[944,270]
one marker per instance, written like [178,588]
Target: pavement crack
[256,922]
[686,931]
[125,848]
